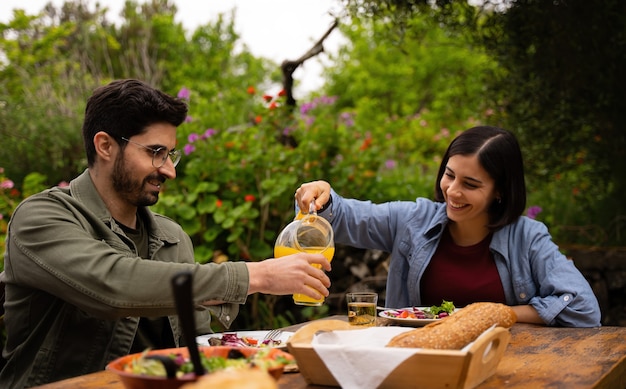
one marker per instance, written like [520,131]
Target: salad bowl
[129,370]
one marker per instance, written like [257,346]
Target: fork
[273,334]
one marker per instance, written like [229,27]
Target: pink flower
[193,137]
[184,93]
[533,211]
[390,164]
[188,149]
[7,184]
[208,133]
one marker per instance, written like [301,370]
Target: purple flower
[533,211]
[193,137]
[306,107]
[346,118]
[208,133]
[188,119]
[184,93]
[189,148]
[390,164]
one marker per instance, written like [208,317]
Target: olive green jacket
[75,287]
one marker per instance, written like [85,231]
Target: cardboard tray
[427,368]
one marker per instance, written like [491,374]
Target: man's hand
[290,274]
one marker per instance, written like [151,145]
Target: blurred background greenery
[411,75]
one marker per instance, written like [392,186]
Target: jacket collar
[84,191]
[437,222]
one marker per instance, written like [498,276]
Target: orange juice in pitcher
[306,234]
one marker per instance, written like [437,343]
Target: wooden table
[536,357]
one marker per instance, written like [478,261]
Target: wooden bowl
[138,381]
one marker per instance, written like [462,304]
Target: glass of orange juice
[309,233]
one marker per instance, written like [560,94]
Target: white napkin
[358,358]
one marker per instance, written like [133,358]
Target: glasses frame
[174,155]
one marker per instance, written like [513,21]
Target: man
[88,267]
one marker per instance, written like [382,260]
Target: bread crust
[236,379]
[459,329]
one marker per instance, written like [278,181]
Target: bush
[11,196]
[234,192]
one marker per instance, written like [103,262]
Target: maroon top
[462,275]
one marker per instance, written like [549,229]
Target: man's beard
[130,189]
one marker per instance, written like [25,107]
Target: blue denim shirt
[531,267]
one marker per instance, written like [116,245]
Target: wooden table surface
[536,357]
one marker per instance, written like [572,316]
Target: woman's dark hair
[124,108]
[498,152]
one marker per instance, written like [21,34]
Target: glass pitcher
[308,233]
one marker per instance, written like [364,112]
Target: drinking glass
[362,308]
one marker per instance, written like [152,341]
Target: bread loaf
[459,329]
[235,379]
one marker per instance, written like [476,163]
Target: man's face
[134,176]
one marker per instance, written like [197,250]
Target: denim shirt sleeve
[408,230]
[535,272]
[363,224]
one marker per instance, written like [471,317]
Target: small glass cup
[362,308]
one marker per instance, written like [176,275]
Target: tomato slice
[250,341]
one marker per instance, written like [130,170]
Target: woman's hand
[316,191]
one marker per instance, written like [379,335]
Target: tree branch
[288,67]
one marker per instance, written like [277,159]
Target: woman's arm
[527,314]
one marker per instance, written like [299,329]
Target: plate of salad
[419,316]
[172,368]
[253,339]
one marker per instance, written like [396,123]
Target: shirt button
[522,295]
[566,298]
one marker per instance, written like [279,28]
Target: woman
[472,243]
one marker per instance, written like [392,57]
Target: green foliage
[410,95]
[410,78]
[11,196]
[560,88]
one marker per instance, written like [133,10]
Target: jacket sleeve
[564,297]
[57,246]
[363,224]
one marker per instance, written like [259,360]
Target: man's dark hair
[124,108]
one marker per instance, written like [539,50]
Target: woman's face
[468,191]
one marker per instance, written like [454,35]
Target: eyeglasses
[159,155]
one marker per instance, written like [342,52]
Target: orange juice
[281,251]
